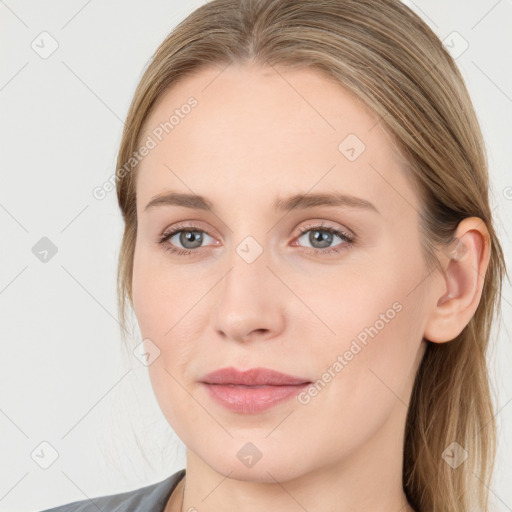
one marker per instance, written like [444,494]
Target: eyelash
[347,239]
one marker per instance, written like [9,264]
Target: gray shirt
[152,498]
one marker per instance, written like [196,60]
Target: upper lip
[252,377]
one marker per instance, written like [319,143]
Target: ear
[456,298]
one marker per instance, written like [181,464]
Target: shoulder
[149,498]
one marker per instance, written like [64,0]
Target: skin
[258,134]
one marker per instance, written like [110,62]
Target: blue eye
[317,236]
[192,237]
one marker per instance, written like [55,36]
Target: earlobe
[456,298]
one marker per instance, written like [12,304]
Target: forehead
[266,129]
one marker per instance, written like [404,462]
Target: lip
[251,391]
[252,377]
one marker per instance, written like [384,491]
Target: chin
[245,462]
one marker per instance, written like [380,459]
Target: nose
[250,301]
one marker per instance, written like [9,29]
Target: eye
[189,237]
[321,237]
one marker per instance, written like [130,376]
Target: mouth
[251,391]
[252,377]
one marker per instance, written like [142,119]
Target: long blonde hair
[390,59]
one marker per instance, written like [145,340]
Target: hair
[390,60]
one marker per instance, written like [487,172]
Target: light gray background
[64,380]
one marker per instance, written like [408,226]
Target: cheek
[159,296]
[161,300]
[169,308]
[377,316]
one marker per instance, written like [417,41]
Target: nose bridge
[246,280]
[248,252]
[246,299]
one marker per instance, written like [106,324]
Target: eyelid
[192,225]
[322,224]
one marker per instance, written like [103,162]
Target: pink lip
[253,390]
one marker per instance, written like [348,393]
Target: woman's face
[252,285]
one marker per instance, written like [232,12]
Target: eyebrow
[294,202]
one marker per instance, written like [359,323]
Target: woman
[310,255]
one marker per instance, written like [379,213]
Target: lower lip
[251,400]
